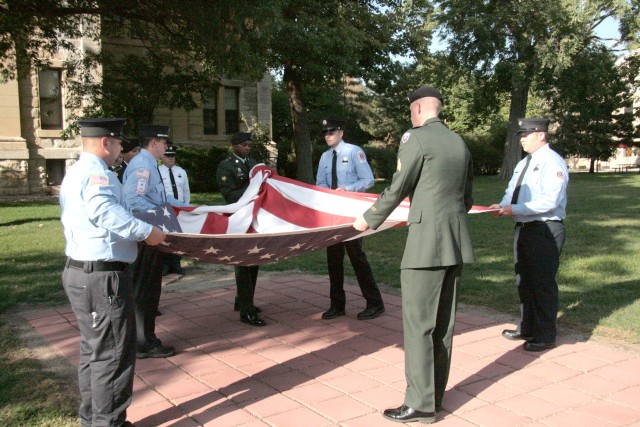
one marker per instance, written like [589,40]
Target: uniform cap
[153,131]
[329,125]
[171,151]
[98,127]
[241,137]
[533,125]
[129,144]
[424,92]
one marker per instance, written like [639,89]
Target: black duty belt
[89,266]
[533,223]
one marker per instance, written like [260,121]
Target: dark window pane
[50,99]
[231,110]
[209,117]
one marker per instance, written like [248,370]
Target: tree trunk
[592,165]
[512,149]
[302,140]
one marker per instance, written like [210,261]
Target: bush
[382,161]
[486,149]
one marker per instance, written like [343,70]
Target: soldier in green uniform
[233,179]
[435,171]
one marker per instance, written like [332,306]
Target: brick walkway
[301,371]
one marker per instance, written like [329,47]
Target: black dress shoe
[538,346]
[128,424]
[371,312]
[236,307]
[514,335]
[332,313]
[157,352]
[178,270]
[252,319]
[404,414]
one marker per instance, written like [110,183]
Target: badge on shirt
[345,160]
[405,137]
[99,180]
[362,157]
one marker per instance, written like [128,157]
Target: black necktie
[173,184]
[334,173]
[516,191]
[162,192]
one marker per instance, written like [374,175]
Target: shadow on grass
[28,220]
[31,278]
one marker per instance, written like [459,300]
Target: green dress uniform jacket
[429,160]
[233,177]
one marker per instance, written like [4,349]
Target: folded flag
[275,219]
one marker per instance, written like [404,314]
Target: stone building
[33,153]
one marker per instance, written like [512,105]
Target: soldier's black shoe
[538,346]
[252,319]
[177,270]
[404,414]
[332,313]
[371,312]
[514,335]
[236,307]
[158,351]
[128,424]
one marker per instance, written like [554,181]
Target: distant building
[33,154]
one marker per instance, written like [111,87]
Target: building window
[231,110]
[55,171]
[50,99]
[210,116]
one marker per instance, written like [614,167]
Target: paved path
[301,371]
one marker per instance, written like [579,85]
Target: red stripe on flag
[294,213]
[215,224]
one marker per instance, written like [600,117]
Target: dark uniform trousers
[362,269]
[537,248]
[147,285]
[429,302]
[103,304]
[246,278]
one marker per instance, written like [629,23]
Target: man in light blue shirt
[344,167]
[144,190]
[101,238]
[536,198]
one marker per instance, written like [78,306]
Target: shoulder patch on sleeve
[99,180]
[560,175]
[362,157]
[405,137]
[143,173]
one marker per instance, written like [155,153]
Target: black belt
[89,266]
[532,223]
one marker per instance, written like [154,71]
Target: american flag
[275,219]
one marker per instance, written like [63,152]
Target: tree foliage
[509,43]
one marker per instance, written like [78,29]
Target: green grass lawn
[599,276]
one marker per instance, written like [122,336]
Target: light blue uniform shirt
[543,192]
[97,226]
[143,187]
[354,173]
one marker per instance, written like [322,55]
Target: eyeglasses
[329,131]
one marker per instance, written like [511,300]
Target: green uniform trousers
[429,302]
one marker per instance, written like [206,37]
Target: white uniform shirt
[543,192]
[182,182]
